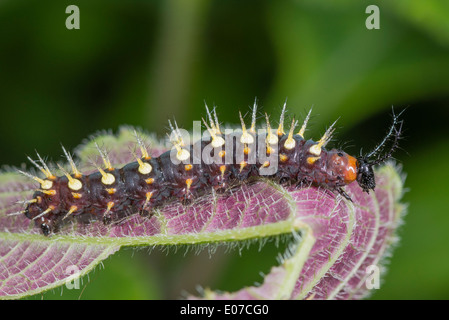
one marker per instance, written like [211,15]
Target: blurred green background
[141,62]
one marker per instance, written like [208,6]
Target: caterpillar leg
[344,194]
[46,229]
[46,225]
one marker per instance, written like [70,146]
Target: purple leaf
[340,241]
[335,240]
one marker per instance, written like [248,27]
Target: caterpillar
[219,160]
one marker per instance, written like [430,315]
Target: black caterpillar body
[188,171]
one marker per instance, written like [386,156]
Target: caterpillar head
[365,163]
[365,174]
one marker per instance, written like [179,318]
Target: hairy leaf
[334,239]
[338,242]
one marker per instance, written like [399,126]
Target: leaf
[338,242]
[330,233]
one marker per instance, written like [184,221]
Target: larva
[217,161]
